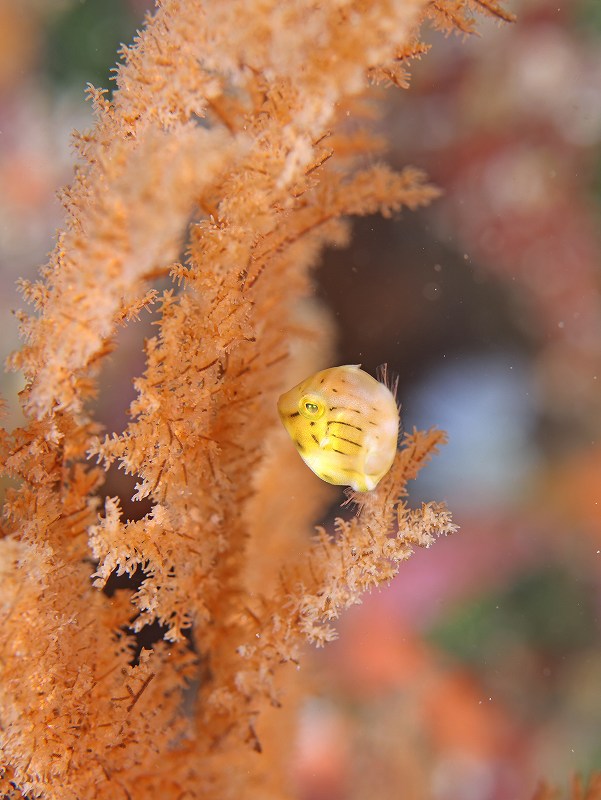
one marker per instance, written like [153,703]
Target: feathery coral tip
[344,424]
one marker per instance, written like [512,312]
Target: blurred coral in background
[49,51]
[475,674]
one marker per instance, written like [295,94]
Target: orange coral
[232,116]
[579,791]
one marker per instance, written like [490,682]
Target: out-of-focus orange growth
[460,717]
[575,489]
[580,790]
[19,43]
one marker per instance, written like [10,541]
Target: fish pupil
[312,408]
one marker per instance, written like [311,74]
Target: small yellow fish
[344,424]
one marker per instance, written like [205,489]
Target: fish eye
[311,408]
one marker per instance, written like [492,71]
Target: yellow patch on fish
[344,424]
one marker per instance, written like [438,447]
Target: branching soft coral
[235,116]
